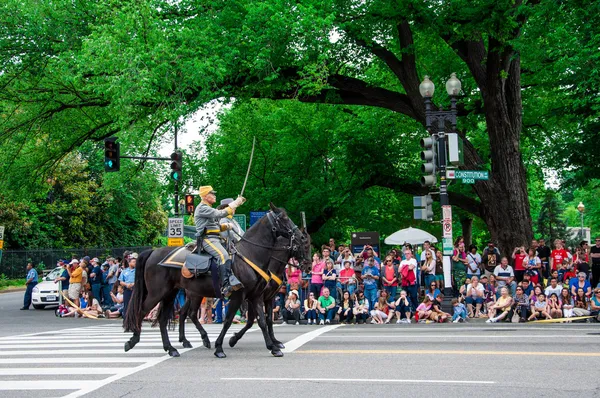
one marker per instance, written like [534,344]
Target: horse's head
[299,239]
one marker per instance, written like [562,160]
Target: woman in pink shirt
[316,278]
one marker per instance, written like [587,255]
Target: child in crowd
[361,308]
[403,310]
[460,311]
[116,310]
[423,311]
[310,309]
[540,308]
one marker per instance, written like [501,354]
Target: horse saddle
[191,264]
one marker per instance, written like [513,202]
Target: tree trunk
[467,230]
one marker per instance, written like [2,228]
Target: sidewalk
[12,289]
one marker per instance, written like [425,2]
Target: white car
[46,292]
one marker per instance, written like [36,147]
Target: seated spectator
[462,291]
[554,307]
[294,275]
[505,275]
[580,282]
[347,278]
[489,292]
[553,288]
[361,308]
[503,305]
[117,308]
[291,309]
[326,307]
[582,303]
[432,292]
[460,311]
[475,295]
[381,312]
[567,305]
[423,311]
[527,284]
[540,308]
[345,311]
[330,278]
[437,314]
[403,308]
[521,304]
[276,307]
[595,305]
[310,309]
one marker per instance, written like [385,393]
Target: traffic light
[189,204]
[176,163]
[429,158]
[423,209]
[112,153]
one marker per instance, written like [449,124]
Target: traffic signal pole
[176,181]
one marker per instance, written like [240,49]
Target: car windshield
[55,273]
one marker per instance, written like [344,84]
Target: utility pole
[176,180]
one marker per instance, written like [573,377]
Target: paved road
[74,357]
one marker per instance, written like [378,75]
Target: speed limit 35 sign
[175,232]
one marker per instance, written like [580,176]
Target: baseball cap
[134,255]
[74,261]
[86,258]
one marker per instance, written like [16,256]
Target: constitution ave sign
[467,176]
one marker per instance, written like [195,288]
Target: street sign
[175,228]
[175,242]
[467,174]
[447,230]
[468,181]
[256,215]
[241,219]
[2,232]
[1,244]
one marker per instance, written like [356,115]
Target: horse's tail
[165,313]
[132,322]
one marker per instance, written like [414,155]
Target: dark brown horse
[156,284]
[282,253]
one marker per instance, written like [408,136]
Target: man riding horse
[208,235]
[233,232]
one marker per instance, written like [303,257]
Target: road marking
[454,352]
[72,384]
[299,341]
[57,371]
[328,379]
[457,336]
[116,360]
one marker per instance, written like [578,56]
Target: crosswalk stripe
[56,371]
[73,384]
[72,360]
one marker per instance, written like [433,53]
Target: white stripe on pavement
[85,352]
[73,384]
[335,380]
[458,336]
[56,371]
[83,360]
[299,341]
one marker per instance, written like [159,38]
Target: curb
[18,289]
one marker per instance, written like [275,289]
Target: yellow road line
[454,352]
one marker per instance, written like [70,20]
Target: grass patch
[6,283]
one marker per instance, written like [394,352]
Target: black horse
[263,294]
[156,284]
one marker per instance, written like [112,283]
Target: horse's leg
[237,336]
[149,303]
[196,301]
[164,316]
[182,316]
[269,319]
[258,307]
[235,301]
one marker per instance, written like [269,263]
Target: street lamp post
[427,88]
[581,209]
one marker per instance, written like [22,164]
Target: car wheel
[38,306]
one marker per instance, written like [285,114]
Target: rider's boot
[229,282]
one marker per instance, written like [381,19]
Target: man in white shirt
[475,293]
[553,288]
[505,275]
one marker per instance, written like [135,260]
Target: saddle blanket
[183,257]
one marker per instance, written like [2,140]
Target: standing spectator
[533,266]
[361,308]
[581,259]
[459,267]
[558,255]
[347,278]
[518,255]
[543,252]
[595,255]
[505,275]
[75,271]
[316,279]
[32,280]
[403,308]
[474,262]
[428,266]
[370,276]
[292,308]
[490,258]
[310,309]
[326,253]
[502,305]
[567,304]
[460,312]
[408,270]
[127,280]
[63,278]
[389,276]
[276,307]
[522,305]
[95,278]
[326,307]
[346,255]
[111,277]
[329,278]
[368,253]
[475,292]
[439,269]
[346,309]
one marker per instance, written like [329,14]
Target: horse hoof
[187,344]
[128,346]
[277,353]
[232,341]
[206,343]
[174,353]
[220,354]
[280,345]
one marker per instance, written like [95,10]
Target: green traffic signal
[111,155]
[176,165]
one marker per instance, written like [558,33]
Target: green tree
[551,223]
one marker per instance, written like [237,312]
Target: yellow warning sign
[174,241]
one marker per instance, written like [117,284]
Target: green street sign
[468,181]
[241,219]
[471,174]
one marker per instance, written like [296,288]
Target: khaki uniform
[208,228]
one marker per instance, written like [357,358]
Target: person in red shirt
[558,255]
[389,274]
[518,255]
[348,278]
